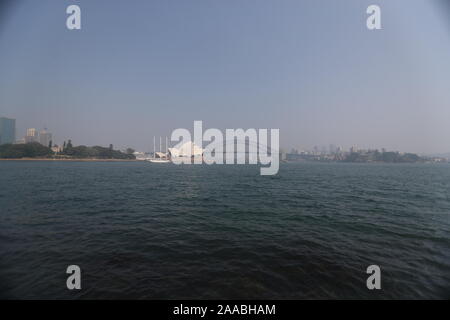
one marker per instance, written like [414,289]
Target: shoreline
[72,160]
[136,160]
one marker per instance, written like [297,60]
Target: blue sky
[310,68]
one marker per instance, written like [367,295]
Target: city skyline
[316,74]
[44,137]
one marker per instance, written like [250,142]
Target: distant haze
[310,68]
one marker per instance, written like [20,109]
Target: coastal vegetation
[363,156]
[376,156]
[27,150]
[37,150]
[97,152]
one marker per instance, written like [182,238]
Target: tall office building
[45,137]
[7,130]
[332,148]
[32,135]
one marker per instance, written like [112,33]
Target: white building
[32,135]
[188,149]
[45,137]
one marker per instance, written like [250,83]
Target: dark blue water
[142,230]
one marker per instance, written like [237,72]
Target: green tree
[28,150]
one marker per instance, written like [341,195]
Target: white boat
[159,160]
[162,157]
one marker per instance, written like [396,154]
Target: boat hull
[159,161]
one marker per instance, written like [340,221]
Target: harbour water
[160,231]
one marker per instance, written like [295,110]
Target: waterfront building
[141,155]
[57,149]
[188,149]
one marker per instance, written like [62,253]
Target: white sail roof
[187,149]
[161,155]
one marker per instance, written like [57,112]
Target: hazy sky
[310,68]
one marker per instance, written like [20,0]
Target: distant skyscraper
[32,135]
[45,137]
[7,130]
[332,148]
[31,132]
